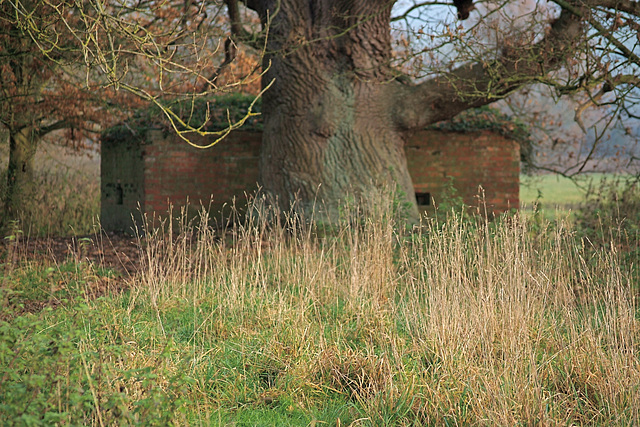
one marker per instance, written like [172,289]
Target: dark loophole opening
[119,194]
[423,199]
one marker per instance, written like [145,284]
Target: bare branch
[416,6]
[230,51]
[478,84]
[60,124]
[627,6]
[608,86]
[607,34]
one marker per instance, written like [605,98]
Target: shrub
[610,216]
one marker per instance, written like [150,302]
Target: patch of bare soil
[112,251]
[116,252]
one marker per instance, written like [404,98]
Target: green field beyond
[556,193]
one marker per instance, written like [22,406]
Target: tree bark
[329,134]
[23,145]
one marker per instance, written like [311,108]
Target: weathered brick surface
[168,171]
[439,161]
[208,177]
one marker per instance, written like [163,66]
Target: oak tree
[339,109]
[340,101]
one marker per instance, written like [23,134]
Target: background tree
[32,93]
[68,65]
[340,110]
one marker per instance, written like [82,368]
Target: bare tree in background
[82,64]
[580,119]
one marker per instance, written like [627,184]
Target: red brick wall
[438,160]
[172,170]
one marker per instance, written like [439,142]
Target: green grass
[461,322]
[515,322]
[554,192]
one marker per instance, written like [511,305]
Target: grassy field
[556,193]
[461,322]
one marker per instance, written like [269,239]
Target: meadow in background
[66,200]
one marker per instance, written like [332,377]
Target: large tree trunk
[20,184]
[330,144]
[328,132]
[336,115]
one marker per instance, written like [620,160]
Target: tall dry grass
[66,193]
[460,321]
